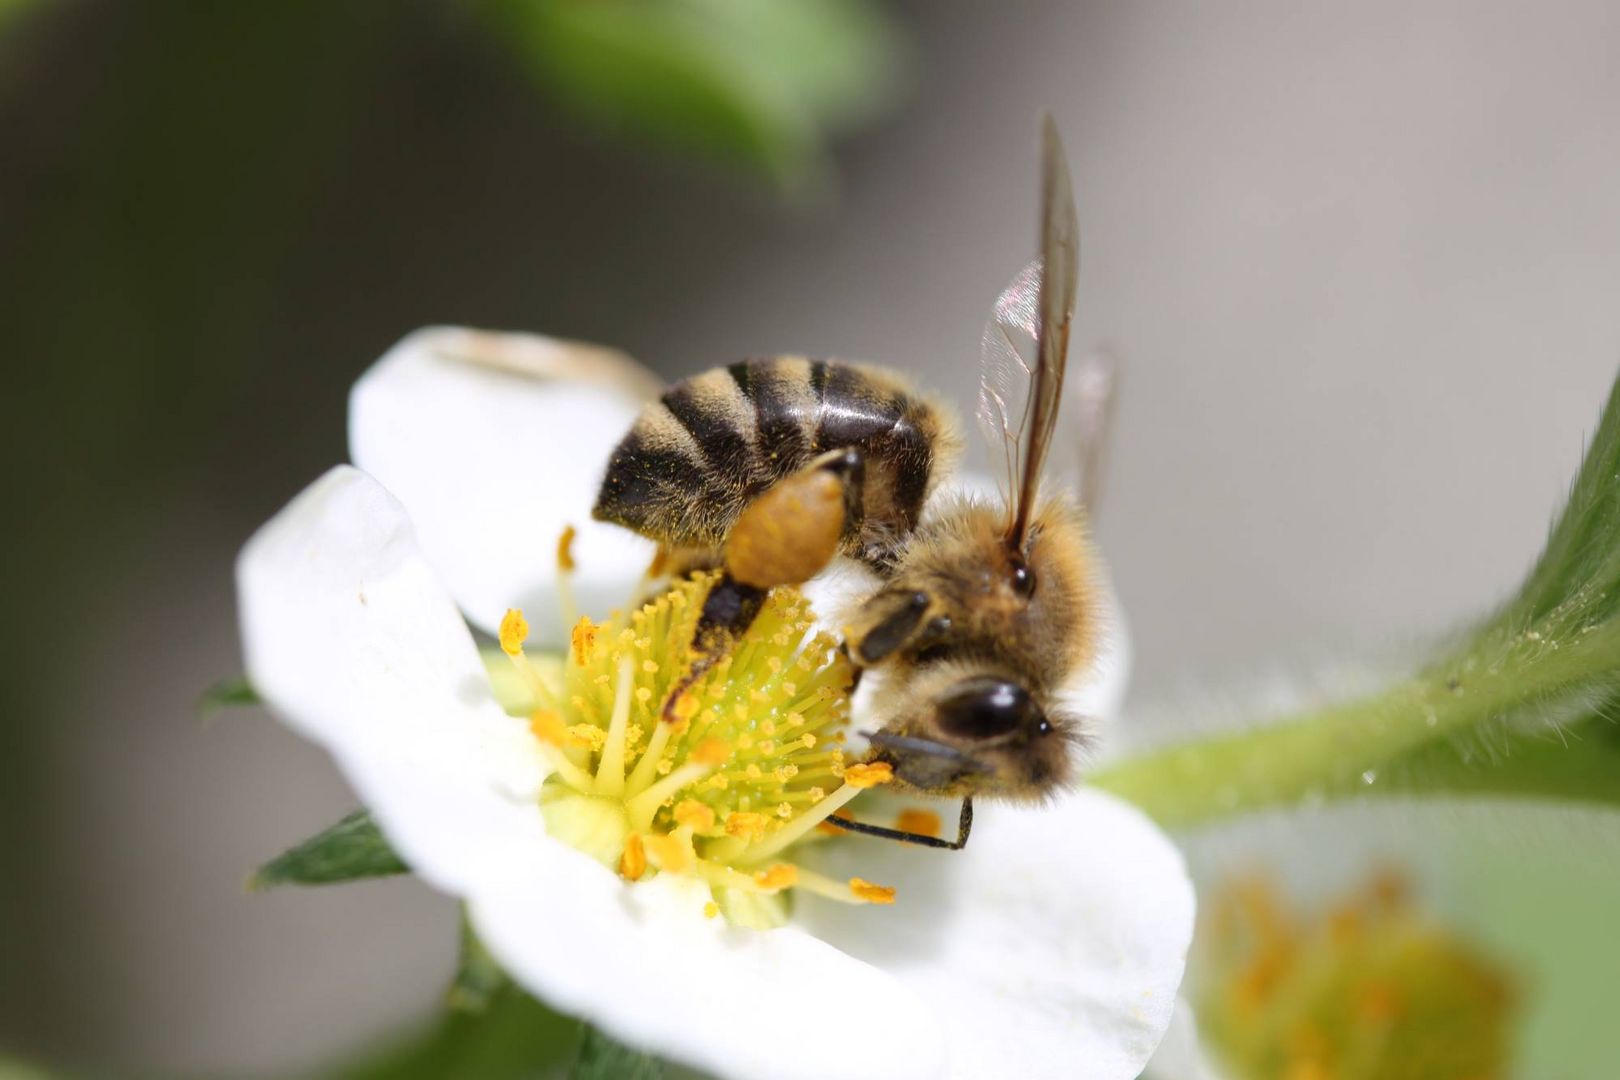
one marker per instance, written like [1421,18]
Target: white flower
[1051,947]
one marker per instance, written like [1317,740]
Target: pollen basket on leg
[749,766]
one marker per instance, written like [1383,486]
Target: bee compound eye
[1023,578]
[985,708]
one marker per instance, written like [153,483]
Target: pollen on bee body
[726,790]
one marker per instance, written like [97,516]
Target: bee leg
[899,615]
[964,826]
[728,611]
[785,537]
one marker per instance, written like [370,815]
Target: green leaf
[228,694]
[1519,708]
[756,83]
[352,849]
[600,1058]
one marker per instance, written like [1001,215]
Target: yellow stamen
[869,775]
[565,576]
[583,640]
[610,769]
[672,852]
[711,752]
[745,825]
[779,876]
[642,807]
[633,863]
[872,894]
[514,632]
[695,815]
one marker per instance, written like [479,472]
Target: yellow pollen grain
[699,816]
[671,853]
[919,821]
[745,825]
[872,894]
[650,667]
[752,772]
[643,694]
[808,738]
[711,909]
[868,775]
[768,727]
[633,863]
[784,810]
[514,632]
[767,746]
[711,752]
[633,733]
[686,707]
[778,876]
[817,794]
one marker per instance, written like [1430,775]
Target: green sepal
[601,1058]
[352,849]
[513,1037]
[478,977]
[228,694]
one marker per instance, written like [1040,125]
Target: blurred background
[1359,264]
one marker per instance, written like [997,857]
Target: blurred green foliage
[758,83]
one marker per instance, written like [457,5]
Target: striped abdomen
[699,455]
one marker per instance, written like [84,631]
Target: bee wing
[1006,373]
[1026,345]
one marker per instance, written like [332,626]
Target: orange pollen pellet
[711,752]
[700,816]
[745,825]
[868,775]
[633,863]
[872,894]
[779,876]
[919,821]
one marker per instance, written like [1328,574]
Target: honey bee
[982,612]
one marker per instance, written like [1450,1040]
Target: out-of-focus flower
[596,849]
[1368,988]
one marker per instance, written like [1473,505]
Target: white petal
[643,964]
[1051,947]
[493,464]
[352,641]
[1181,1056]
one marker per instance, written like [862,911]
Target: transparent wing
[1026,346]
[1006,367]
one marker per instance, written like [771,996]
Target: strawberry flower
[668,883]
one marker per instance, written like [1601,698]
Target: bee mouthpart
[925,746]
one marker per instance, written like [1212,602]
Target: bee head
[980,732]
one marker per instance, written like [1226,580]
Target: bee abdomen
[694,460]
